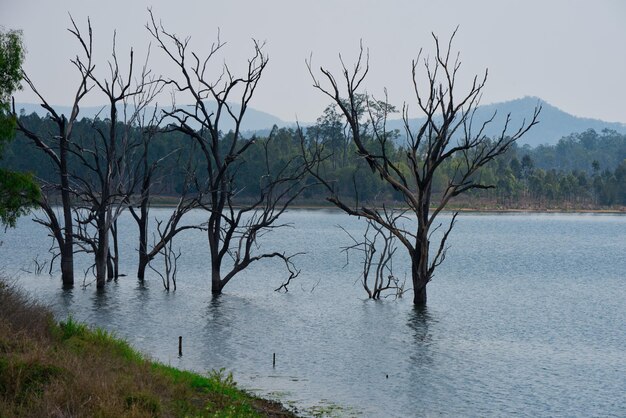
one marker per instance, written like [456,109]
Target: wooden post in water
[180,346]
[274,360]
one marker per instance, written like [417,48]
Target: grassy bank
[66,369]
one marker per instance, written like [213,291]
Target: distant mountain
[553,125]
[553,122]
[255,120]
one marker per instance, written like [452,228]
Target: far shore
[617,211]
[463,207]
[167,201]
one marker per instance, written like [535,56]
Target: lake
[525,317]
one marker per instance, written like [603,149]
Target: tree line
[583,170]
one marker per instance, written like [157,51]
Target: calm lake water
[526,317]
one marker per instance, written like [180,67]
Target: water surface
[525,317]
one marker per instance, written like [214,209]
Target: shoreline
[164,201]
[55,367]
[620,211]
[461,209]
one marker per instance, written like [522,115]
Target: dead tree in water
[104,193]
[145,177]
[232,229]
[377,248]
[161,243]
[170,257]
[56,148]
[446,135]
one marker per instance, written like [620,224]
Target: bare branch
[445,138]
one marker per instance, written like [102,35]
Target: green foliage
[111,343]
[18,194]
[223,383]
[11,59]
[80,336]
[7,125]
[229,401]
[216,380]
[588,151]
[568,174]
[18,191]
[70,328]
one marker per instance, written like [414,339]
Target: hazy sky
[570,53]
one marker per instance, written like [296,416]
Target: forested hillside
[584,170]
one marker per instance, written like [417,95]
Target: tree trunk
[115,258]
[67,264]
[142,219]
[102,252]
[143,243]
[214,242]
[110,268]
[101,268]
[419,297]
[419,262]
[67,249]
[420,280]
[143,264]
[216,281]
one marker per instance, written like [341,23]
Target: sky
[570,53]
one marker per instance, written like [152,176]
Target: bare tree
[103,194]
[170,257]
[377,249]
[56,147]
[233,228]
[144,172]
[447,137]
[188,200]
[145,176]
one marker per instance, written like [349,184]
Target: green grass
[79,337]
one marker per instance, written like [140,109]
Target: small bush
[70,328]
